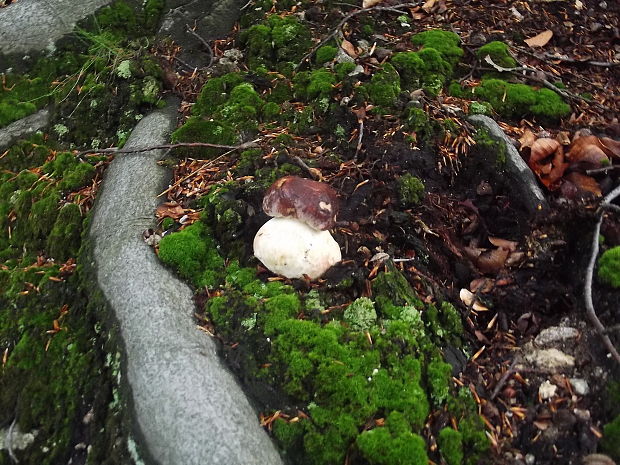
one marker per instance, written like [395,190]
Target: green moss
[314,85]
[343,69]
[153,10]
[361,314]
[199,130]
[77,177]
[451,446]
[519,100]
[410,190]
[445,42]
[384,87]
[271,112]
[325,54]
[64,239]
[499,53]
[215,93]
[392,444]
[393,286]
[439,377]
[277,40]
[288,435]
[25,154]
[611,438]
[192,253]
[609,267]
[480,108]
[492,146]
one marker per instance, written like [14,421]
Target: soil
[469,203]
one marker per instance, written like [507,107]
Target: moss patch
[609,267]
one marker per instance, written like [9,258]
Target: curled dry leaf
[549,172]
[469,299]
[482,285]
[349,48]
[588,150]
[540,40]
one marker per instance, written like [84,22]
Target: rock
[550,360]
[520,174]
[23,127]
[186,406]
[580,386]
[36,25]
[555,334]
[547,390]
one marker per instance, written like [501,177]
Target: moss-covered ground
[59,371]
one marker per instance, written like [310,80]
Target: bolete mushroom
[296,241]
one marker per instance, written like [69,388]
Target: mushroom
[296,242]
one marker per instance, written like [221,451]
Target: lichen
[361,314]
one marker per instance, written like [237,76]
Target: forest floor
[526,272]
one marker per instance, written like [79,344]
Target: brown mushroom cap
[314,203]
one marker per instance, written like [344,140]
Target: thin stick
[335,30]
[204,42]
[359,138]
[232,148]
[589,274]
[9,441]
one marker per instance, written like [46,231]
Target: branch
[335,30]
[232,148]
[589,274]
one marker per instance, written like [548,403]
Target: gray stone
[555,334]
[549,359]
[520,174]
[187,407]
[37,24]
[23,127]
[580,386]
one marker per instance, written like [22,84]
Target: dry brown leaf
[527,139]
[542,148]
[515,258]
[506,244]
[610,147]
[369,3]
[170,209]
[563,137]
[549,172]
[470,300]
[492,261]
[349,48]
[428,5]
[584,183]
[540,40]
[482,285]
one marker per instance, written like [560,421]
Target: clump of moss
[445,42]
[325,54]
[609,267]
[491,146]
[384,87]
[498,52]
[393,443]
[518,100]
[277,40]
[451,446]
[197,129]
[611,438]
[314,85]
[192,253]
[480,108]
[410,190]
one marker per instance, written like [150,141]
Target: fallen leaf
[506,244]
[527,139]
[469,299]
[540,40]
[547,161]
[492,261]
[584,183]
[428,5]
[369,3]
[170,209]
[349,48]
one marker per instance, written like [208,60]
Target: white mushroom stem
[291,248]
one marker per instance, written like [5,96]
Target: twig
[9,441]
[503,379]
[359,137]
[589,274]
[305,166]
[565,59]
[232,148]
[605,169]
[335,30]
[204,42]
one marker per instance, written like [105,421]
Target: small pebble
[547,390]
[530,459]
[580,386]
